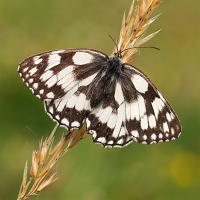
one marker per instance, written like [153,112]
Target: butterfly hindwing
[106,123]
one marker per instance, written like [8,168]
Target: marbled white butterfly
[117,101]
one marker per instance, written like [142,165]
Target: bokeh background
[89,172]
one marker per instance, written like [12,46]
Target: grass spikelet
[134,26]
[44,159]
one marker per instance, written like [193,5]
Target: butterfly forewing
[62,79]
[49,74]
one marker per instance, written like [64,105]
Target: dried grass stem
[44,159]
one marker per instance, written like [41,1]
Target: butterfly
[116,100]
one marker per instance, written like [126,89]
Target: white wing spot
[159,103]
[122,132]
[165,127]
[37,60]
[72,101]
[51,110]
[112,121]
[144,142]
[128,111]
[62,103]
[88,122]
[87,80]
[54,60]
[119,97]
[57,117]
[144,123]
[120,141]
[110,142]
[105,114]
[50,95]
[65,121]
[172,131]
[135,113]
[42,91]
[46,75]
[120,118]
[66,81]
[152,121]
[94,133]
[140,83]
[24,70]
[30,80]
[101,140]
[82,103]
[33,71]
[155,109]
[135,133]
[82,58]
[51,82]
[75,124]
[153,136]
[172,116]
[35,86]
[160,136]
[142,107]
[168,117]
[64,72]
[144,137]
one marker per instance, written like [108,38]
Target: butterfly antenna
[156,48]
[114,43]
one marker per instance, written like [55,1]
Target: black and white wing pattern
[132,110]
[157,120]
[117,101]
[62,79]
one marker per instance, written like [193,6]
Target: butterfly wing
[157,120]
[75,85]
[62,80]
[135,110]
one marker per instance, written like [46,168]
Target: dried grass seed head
[134,26]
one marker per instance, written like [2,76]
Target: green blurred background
[89,172]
